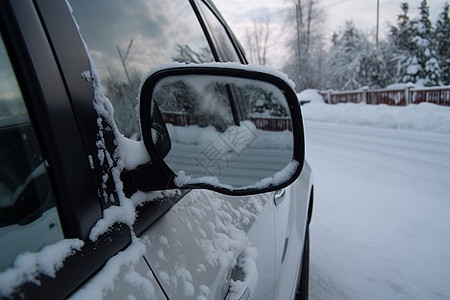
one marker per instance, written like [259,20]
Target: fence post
[329,97]
[324,96]
[364,94]
[408,96]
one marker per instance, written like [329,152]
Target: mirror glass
[225,131]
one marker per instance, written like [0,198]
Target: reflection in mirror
[236,131]
[126,39]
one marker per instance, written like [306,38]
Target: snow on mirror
[236,131]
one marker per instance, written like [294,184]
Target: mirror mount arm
[145,178]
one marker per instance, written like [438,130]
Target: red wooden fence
[396,97]
[268,124]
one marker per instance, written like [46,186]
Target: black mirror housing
[226,127]
[161,135]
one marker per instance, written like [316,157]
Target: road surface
[381,221]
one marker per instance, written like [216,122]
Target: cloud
[156,28]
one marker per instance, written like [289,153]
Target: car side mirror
[233,129]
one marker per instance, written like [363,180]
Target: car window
[125,41]
[28,216]
[225,48]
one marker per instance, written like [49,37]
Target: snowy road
[381,223]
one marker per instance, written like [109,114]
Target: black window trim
[72,61]
[237,46]
[205,30]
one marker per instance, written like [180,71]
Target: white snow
[310,96]
[380,227]
[398,86]
[195,135]
[423,117]
[132,152]
[182,179]
[222,65]
[103,282]
[28,266]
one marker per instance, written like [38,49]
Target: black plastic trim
[73,60]
[311,205]
[205,30]
[236,44]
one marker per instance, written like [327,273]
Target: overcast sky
[363,13]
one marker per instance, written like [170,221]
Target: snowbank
[310,96]
[423,117]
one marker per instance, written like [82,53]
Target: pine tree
[426,48]
[414,50]
[424,20]
[404,49]
[442,36]
[400,36]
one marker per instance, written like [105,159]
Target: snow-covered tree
[401,35]
[424,20]
[404,48]
[442,36]
[414,48]
[259,102]
[426,46]
[354,61]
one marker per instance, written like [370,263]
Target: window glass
[126,40]
[28,217]
[225,48]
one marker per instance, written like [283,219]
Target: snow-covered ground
[381,226]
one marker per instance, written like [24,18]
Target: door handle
[279,196]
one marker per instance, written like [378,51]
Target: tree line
[414,51]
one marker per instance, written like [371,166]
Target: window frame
[231,37]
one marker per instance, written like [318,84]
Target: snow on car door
[212,246]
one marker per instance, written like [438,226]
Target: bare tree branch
[257,40]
